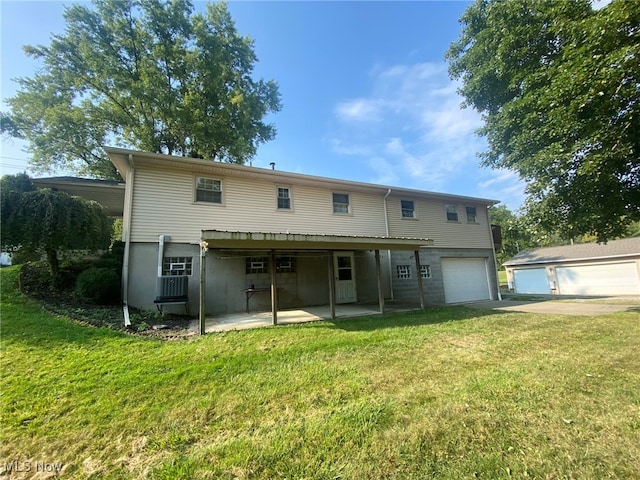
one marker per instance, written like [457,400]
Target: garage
[465,280]
[531,280]
[605,279]
[611,268]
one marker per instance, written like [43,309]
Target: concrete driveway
[587,307]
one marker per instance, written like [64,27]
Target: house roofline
[119,157]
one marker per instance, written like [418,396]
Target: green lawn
[451,393]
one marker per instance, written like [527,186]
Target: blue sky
[365,91]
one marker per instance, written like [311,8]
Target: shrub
[98,285]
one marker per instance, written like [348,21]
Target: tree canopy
[46,221]
[558,86]
[147,74]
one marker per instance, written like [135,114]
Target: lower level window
[425,271]
[403,271]
[257,265]
[177,266]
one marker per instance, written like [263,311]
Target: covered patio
[245,321]
[274,242]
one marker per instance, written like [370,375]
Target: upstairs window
[408,209]
[340,203]
[177,266]
[208,190]
[471,214]
[284,198]
[452,213]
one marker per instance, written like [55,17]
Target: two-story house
[232,229]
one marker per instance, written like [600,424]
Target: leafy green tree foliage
[149,74]
[522,232]
[47,221]
[558,85]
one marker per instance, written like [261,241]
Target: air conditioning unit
[172,289]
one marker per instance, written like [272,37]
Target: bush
[98,285]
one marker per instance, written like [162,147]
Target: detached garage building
[585,269]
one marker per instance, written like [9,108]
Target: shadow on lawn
[431,316]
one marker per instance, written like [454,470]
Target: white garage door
[465,279]
[531,280]
[607,279]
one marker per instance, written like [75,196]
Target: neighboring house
[318,241]
[108,193]
[583,269]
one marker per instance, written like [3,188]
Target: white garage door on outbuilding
[605,279]
[531,280]
[465,279]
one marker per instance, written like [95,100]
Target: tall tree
[149,74]
[45,221]
[558,85]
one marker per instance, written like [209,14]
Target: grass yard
[451,393]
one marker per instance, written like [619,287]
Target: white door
[465,280]
[531,280]
[345,275]
[608,279]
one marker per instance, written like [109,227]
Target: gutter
[126,237]
[495,259]
[386,226]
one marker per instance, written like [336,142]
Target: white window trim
[349,211]
[446,213]
[414,217]
[290,209]
[203,202]
[475,215]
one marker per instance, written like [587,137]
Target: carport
[274,242]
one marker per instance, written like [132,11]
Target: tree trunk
[52,259]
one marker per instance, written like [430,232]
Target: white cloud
[411,128]
[358,110]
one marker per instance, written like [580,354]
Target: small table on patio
[251,291]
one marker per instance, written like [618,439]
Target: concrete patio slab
[243,321]
[554,307]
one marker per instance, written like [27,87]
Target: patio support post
[419,276]
[332,286]
[379,277]
[274,287]
[203,276]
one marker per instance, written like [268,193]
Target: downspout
[126,237]
[386,226]
[495,260]
[161,240]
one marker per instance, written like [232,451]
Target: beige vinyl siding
[163,203]
[431,222]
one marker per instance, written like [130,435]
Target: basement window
[177,266]
[257,265]
[286,264]
[425,271]
[403,271]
